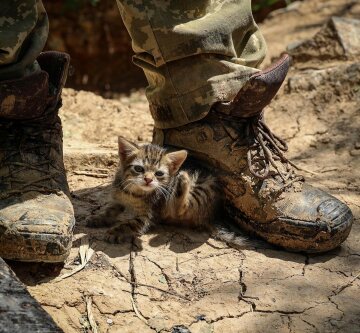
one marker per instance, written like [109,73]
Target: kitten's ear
[126,148]
[176,158]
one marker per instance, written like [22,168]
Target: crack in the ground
[212,321]
[337,308]
[252,310]
[333,271]
[119,274]
[243,288]
[133,283]
[345,286]
[307,259]
[167,278]
[284,312]
[289,324]
[284,278]
[132,273]
[114,313]
[310,324]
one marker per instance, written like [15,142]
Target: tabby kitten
[148,188]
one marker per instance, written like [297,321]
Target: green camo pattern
[24,29]
[193,53]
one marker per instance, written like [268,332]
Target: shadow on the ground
[179,240]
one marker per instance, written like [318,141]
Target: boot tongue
[24,98]
[260,89]
[257,92]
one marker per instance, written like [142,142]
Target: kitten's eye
[139,168]
[159,173]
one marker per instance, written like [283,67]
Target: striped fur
[149,188]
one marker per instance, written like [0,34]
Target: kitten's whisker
[124,188]
[124,183]
[170,193]
[164,191]
[158,194]
[165,188]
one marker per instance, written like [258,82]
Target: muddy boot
[264,193]
[36,215]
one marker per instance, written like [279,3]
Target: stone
[348,32]
[339,38]
[180,329]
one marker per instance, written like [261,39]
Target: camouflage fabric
[193,53]
[24,29]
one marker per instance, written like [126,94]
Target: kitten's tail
[228,232]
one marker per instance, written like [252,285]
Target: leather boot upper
[36,216]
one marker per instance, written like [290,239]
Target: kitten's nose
[148,180]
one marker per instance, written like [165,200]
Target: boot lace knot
[264,149]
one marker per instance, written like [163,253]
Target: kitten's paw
[118,235]
[117,239]
[95,221]
[183,184]
[184,177]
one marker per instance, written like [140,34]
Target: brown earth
[179,277]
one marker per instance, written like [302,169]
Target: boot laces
[265,148]
[26,138]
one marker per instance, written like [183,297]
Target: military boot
[36,215]
[264,193]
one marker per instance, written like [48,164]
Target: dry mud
[174,280]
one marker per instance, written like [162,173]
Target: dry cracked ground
[179,281]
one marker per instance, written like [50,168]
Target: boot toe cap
[315,222]
[335,214]
[37,228]
[310,221]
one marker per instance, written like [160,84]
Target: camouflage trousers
[193,53]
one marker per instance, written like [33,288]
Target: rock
[180,329]
[338,39]
[348,33]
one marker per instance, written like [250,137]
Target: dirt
[174,280]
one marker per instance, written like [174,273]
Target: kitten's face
[148,168]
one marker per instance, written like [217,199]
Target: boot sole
[296,235]
[49,248]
